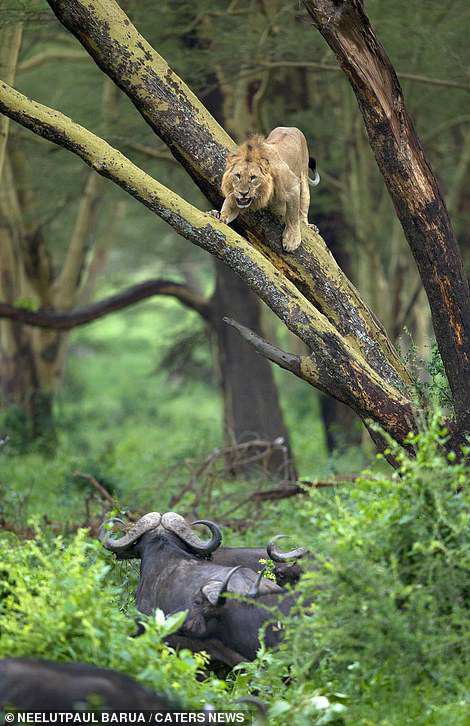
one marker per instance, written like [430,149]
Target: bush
[58,601]
[387,636]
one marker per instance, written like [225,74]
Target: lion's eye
[253,178]
[237,176]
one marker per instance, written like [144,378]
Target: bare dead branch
[288,361]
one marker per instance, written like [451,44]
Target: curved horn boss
[176,523]
[119,546]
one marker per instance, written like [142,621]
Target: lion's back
[291,145]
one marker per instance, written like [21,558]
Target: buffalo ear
[211,591]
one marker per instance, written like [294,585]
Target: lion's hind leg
[291,238]
[305,203]
[304,199]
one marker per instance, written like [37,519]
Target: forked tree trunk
[32,359]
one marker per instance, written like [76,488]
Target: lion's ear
[231,159]
[264,162]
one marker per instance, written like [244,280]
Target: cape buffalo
[173,577]
[41,685]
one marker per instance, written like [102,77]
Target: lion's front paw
[214,213]
[314,228]
[290,241]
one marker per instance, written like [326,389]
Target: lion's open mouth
[245,202]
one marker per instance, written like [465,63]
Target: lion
[271,171]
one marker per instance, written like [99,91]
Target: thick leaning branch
[67,321]
[411,183]
[334,364]
[200,145]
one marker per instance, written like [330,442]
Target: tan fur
[274,172]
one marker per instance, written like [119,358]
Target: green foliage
[58,601]
[26,303]
[389,602]
[429,379]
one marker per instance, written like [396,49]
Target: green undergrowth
[384,639]
[58,600]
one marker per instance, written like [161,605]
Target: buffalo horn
[253,591]
[176,523]
[224,584]
[277,556]
[214,528]
[102,531]
[148,521]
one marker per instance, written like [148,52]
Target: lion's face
[249,182]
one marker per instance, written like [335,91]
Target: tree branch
[335,366]
[51,55]
[66,284]
[100,255]
[66,321]
[288,361]
[153,153]
[311,65]
[10,42]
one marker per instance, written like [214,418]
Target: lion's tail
[313,166]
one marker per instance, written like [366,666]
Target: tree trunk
[249,394]
[250,399]
[10,41]
[32,360]
[411,183]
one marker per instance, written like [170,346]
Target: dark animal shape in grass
[173,577]
[40,685]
